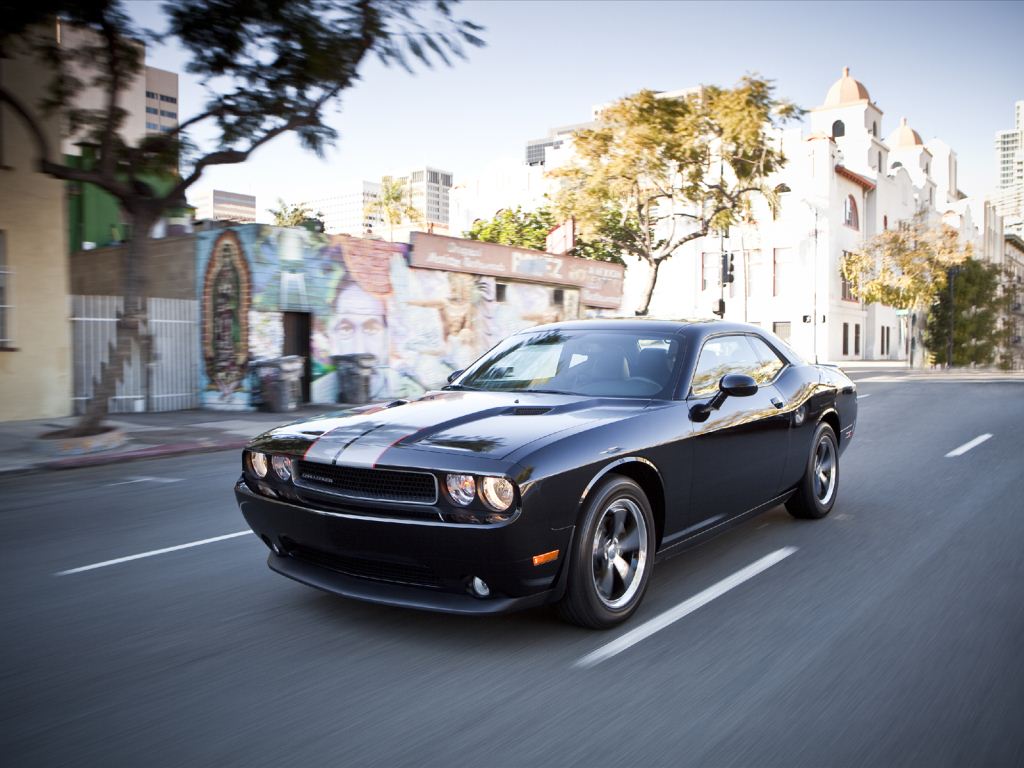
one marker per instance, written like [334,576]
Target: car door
[739,450]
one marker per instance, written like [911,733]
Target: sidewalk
[149,435]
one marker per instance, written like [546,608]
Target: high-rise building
[344,212]
[1009,196]
[150,99]
[429,193]
[537,149]
[226,206]
[161,100]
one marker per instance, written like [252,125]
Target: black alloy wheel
[816,493]
[612,556]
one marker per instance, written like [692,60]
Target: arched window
[838,129]
[850,213]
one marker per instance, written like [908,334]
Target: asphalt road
[893,635]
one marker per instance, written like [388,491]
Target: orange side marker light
[547,557]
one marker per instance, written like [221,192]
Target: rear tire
[816,493]
[612,556]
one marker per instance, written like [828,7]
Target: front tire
[818,488]
[612,556]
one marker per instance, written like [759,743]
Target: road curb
[204,445]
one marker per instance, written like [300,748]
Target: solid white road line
[105,563]
[967,446]
[147,479]
[861,397]
[684,609]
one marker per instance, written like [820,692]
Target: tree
[656,173]
[393,205]
[529,229]
[269,69]
[293,215]
[519,228]
[964,319]
[906,267]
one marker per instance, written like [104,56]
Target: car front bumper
[411,564]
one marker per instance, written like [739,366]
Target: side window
[722,355]
[769,363]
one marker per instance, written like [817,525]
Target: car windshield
[603,363]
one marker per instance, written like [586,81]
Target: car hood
[485,424]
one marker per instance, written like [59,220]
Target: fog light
[479,587]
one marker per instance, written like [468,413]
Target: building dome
[846,90]
[904,137]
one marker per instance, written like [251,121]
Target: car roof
[703,326]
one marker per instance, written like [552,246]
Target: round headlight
[259,463]
[498,493]
[462,489]
[282,466]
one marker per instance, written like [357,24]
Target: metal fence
[170,380]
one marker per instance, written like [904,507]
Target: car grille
[369,484]
[415,574]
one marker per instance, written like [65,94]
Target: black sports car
[555,469]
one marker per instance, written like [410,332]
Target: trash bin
[354,372]
[277,383]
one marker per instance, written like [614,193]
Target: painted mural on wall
[364,298]
[225,321]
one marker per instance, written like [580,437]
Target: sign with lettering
[600,282]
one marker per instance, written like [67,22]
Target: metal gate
[168,383]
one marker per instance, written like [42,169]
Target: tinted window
[601,362]
[719,356]
[769,363]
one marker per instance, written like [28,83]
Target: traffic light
[719,308]
[728,273]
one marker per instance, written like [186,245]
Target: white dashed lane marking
[151,553]
[685,608]
[968,446]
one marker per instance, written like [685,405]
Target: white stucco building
[846,184]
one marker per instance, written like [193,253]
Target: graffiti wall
[363,298]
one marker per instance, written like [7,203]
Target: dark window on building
[885,222]
[846,338]
[782,330]
[433,177]
[417,177]
[557,297]
[150,94]
[500,291]
[874,132]
[838,129]
[152,111]
[850,217]
[847,288]
[168,113]
[707,269]
[152,127]
[168,99]
[5,293]
[856,339]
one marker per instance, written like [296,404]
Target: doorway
[297,331]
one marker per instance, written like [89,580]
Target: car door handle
[777,402]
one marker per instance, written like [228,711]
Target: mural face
[364,298]
[225,318]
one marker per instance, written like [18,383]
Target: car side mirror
[737,385]
[455,374]
[730,385]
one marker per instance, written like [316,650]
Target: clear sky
[954,69]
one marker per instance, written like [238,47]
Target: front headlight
[461,489]
[282,467]
[259,464]
[498,493]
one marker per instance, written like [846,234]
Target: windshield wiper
[543,391]
[461,387]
